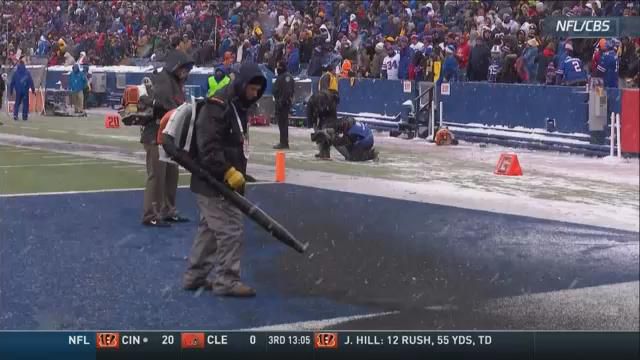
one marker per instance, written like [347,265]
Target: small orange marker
[508,165]
[280,166]
[112,121]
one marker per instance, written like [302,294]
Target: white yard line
[19,151]
[58,131]
[97,191]
[59,164]
[319,324]
[133,166]
[29,128]
[58,156]
[83,160]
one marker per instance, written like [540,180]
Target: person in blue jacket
[450,66]
[608,67]
[356,142]
[293,64]
[21,82]
[572,71]
[406,54]
[77,83]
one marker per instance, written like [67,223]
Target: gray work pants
[217,245]
[160,188]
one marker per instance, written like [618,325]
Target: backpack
[179,123]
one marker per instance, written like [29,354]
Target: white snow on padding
[129,69]
[407,103]
[375,121]
[370,115]
[517,135]
[522,128]
[307,80]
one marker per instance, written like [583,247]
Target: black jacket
[219,139]
[321,110]
[479,62]
[168,93]
[283,90]
[306,50]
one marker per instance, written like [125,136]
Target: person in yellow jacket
[217,81]
[329,83]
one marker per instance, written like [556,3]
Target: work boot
[156,223]
[206,285]
[237,290]
[176,219]
[281,147]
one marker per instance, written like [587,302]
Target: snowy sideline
[435,192]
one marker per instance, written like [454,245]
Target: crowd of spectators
[367,38]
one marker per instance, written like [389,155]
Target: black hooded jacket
[479,61]
[219,140]
[168,93]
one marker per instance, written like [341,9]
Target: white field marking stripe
[29,128]
[20,151]
[319,324]
[95,191]
[127,166]
[84,159]
[60,164]
[57,156]
[58,131]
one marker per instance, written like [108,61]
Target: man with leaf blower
[221,149]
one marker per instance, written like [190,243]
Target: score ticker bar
[174,345]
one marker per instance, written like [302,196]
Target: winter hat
[450,49]
[352,17]
[379,47]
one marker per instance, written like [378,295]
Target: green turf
[410,164]
[34,171]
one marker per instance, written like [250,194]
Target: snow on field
[555,186]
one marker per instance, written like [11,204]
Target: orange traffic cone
[112,121]
[280,166]
[508,165]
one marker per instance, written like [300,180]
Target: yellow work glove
[234,178]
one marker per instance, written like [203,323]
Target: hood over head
[249,74]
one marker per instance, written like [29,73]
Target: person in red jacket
[462,54]
[597,54]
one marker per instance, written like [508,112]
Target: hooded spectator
[450,68]
[463,52]
[543,59]
[509,74]
[406,54]
[376,63]
[479,61]
[530,55]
